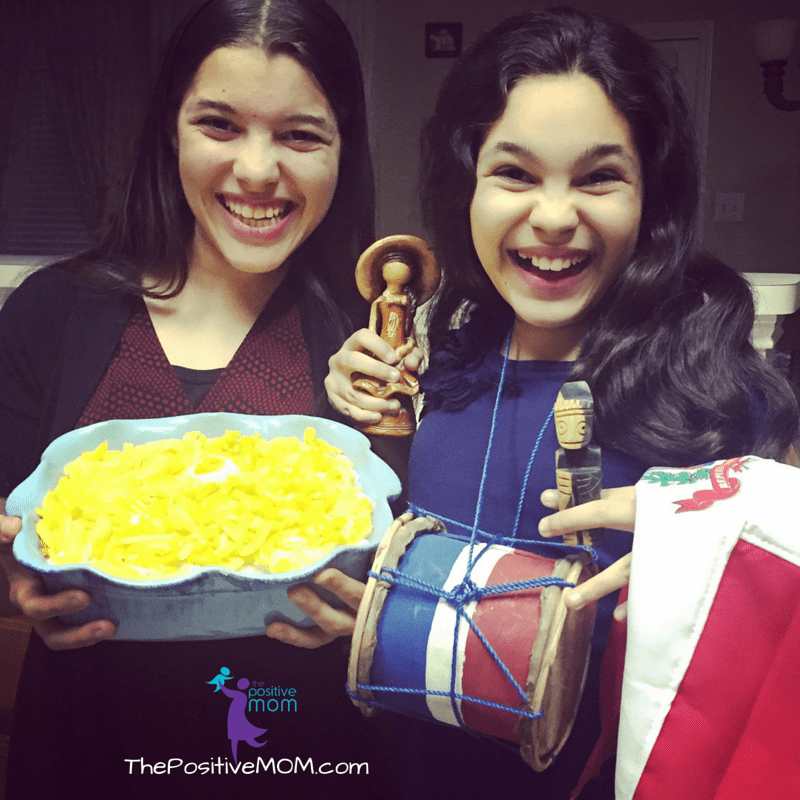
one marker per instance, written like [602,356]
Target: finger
[365,364]
[413,359]
[27,593]
[364,416]
[39,607]
[366,402]
[609,580]
[362,347]
[369,341]
[59,637]
[348,590]
[359,405]
[549,498]
[372,343]
[616,509]
[310,638]
[350,409]
[621,612]
[9,528]
[334,621]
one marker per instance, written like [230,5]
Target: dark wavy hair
[674,376]
[151,232]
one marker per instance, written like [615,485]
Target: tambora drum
[474,635]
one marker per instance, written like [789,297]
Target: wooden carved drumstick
[579,474]
[396,274]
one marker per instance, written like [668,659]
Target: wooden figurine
[579,475]
[396,274]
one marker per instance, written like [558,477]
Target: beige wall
[753,148]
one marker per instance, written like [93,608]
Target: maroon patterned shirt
[269,374]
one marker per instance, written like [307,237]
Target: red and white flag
[711,691]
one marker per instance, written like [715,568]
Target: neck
[204,325]
[530,343]
[244,293]
[210,291]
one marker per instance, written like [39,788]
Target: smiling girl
[224,284]
[560,190]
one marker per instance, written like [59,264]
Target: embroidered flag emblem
[723,486]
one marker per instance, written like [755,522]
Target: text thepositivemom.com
[221,766]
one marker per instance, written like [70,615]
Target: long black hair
[674,376]
[151,232]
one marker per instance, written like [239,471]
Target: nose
[257,162]
[553,213]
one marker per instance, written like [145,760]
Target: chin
[255,263]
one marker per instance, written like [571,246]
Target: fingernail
[394,375]
[75,604]
[573,598]
[544,526]
[98,633]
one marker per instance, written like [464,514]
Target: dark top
[270,369]
[141,719]
[56,340]
[447,461]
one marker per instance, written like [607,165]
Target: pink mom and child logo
[247,697]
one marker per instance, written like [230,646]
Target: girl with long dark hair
[224,284]
[560,190]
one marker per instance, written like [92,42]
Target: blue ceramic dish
[210,602]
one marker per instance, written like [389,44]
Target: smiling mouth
[265,216]
[551,269]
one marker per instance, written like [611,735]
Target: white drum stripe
[439,659]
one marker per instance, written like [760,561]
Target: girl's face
[557,204]
[258,151]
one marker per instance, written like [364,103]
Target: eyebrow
[213,105]
[591,153]
[202,104]
[603,150]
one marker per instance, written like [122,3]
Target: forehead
[562,113]
[250,80]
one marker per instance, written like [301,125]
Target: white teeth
[552,264]
[253,212]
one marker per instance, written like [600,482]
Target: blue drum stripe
[406,621]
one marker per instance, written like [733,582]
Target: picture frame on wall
[443,39]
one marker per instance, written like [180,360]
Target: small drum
[455,632]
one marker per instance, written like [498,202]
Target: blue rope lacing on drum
[468,591]
[458,597]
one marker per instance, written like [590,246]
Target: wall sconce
[774,41]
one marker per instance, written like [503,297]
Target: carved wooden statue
[396,274]
[579,475]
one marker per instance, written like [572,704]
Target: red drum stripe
[509,622]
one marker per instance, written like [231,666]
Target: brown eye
[582,428]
